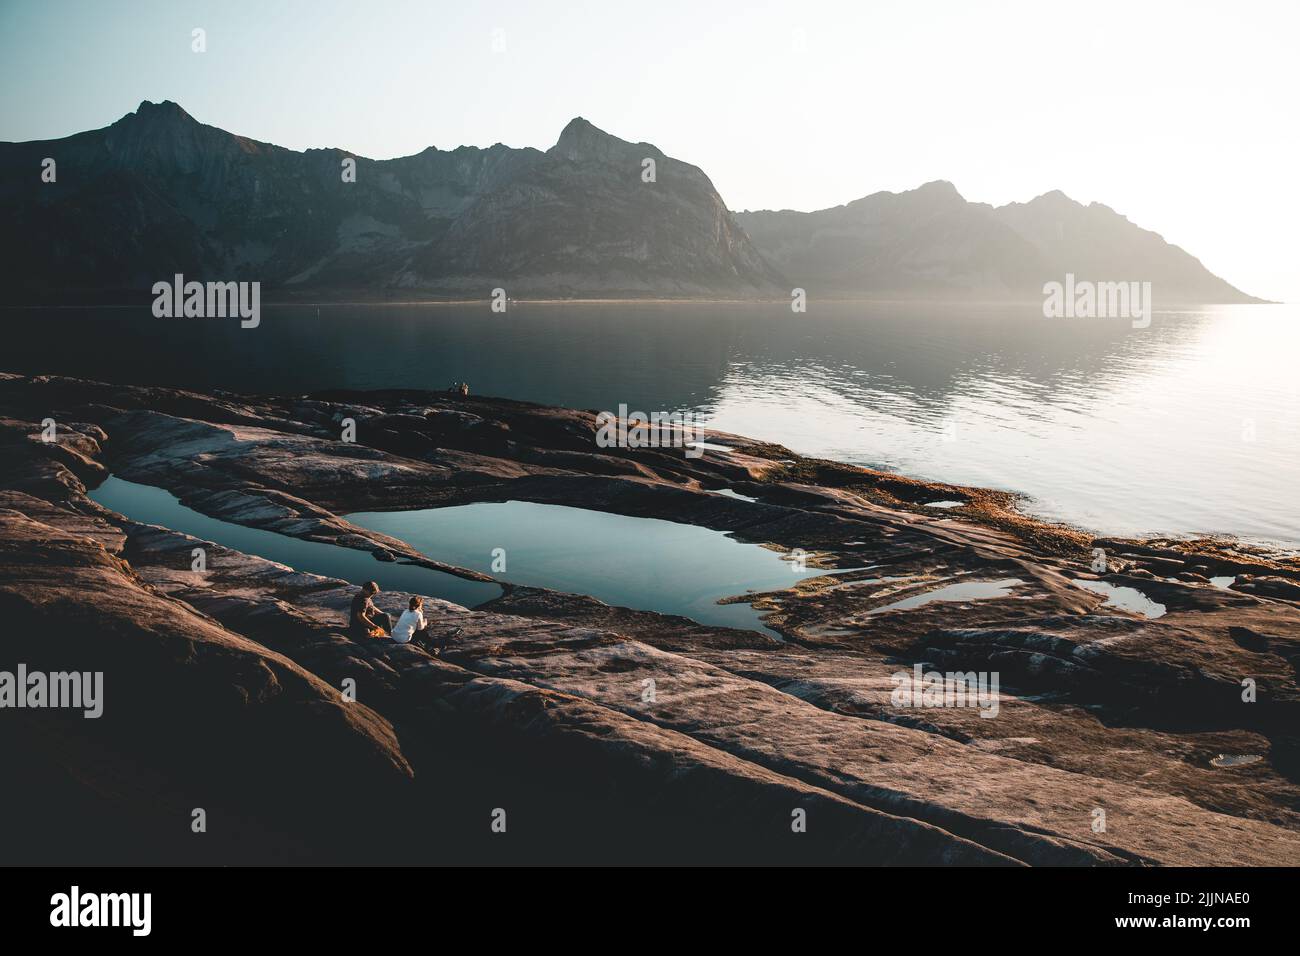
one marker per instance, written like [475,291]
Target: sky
[1182,115]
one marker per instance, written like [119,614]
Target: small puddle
[728,493]
[963,591]
[864,582]
[1237,760]
[149,505]
[1224,582]
[707,446]
[945,504]
[643,563]
[1124,598]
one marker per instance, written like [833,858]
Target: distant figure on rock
[367,620]
[459,388]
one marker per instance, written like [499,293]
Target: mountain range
[929,242]
[158,193]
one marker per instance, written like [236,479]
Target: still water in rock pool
[150,505]
[641,563]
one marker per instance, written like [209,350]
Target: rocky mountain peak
[939,189]
[151,126]
[167,108]
[1053,199]
[155,117]
[580,140]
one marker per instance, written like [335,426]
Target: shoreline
[996,507]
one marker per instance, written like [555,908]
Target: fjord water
[1189,426]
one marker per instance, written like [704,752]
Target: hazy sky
[1180,115]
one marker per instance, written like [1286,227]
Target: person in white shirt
[412,628]
[412,623]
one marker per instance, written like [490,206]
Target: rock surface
[225,684]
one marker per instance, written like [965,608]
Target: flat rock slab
[1102,714]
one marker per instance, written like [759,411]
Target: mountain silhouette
[929,242]
[158,193]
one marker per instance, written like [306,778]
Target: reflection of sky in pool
[1128,599]
[961,591]
[642,563]
[150,505]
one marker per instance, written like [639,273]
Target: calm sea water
[1191,425]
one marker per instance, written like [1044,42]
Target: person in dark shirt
[366,620]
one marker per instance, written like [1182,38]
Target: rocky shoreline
[223,687]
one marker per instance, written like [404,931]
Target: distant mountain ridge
[930,242]
[157,193]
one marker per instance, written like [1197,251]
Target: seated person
[412,623]
[413,628]
[366,620]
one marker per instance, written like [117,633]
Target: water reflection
[1187,426]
